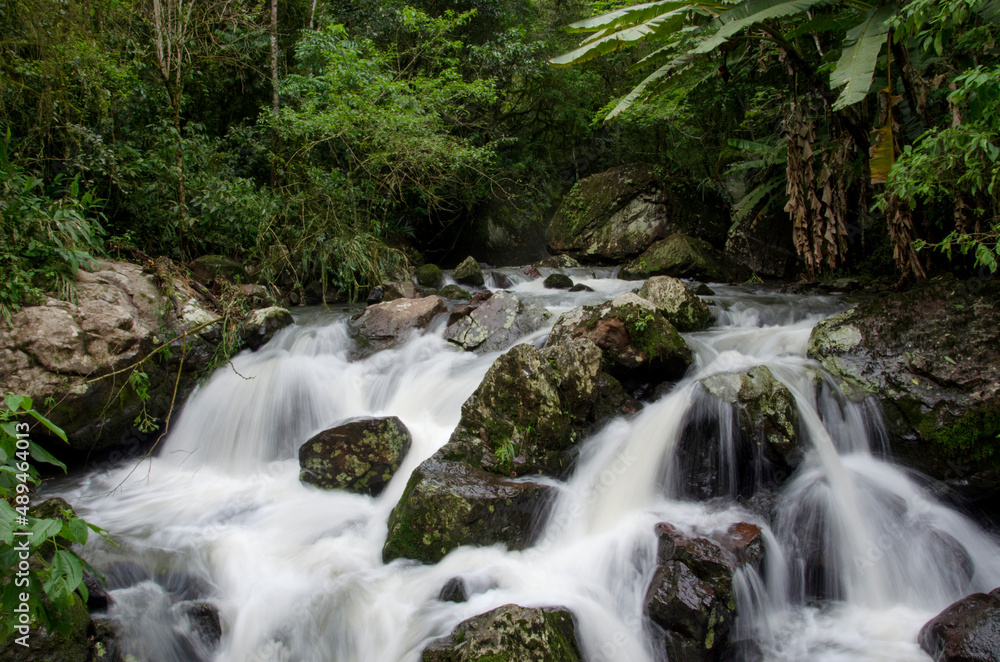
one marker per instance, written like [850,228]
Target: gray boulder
[468,272]
[261,325]
[495,323]
[384,324]
[673,300]
[683,256]
[967,631]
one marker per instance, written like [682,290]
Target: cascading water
[860,552]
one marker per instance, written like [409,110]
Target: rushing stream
[860,552]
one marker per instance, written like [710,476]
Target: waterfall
[860,551]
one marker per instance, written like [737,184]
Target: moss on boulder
[509,633]
[468,272]
[684,309]
[359,456]
[429,275]
[931,357]
[682,256]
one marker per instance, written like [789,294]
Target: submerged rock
[673,300]
[429,275]
[558,282]
[386,323]
[931,356]
[619,213]
[682,256]
[359,456]
[691,594]
[636,340]
[468,272]
[510,632]
[448,504]
[495,323]
[967,631]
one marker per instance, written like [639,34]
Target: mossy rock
[673,300]
[429,275]
[557,262]
[55,647]
[682,256]
[358,456]
[449,504]
[468,272]
[558,282]
[510,633]
[454,292]
[617,214]
[636,340]
[496,323]
[929,356]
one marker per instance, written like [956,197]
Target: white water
[296,572]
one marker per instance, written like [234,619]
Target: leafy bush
[48,233]
[50,573]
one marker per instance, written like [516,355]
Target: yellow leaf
[882,153]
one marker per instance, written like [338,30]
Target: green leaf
[625,17]
[43,529]
[750,13]
[672,67]
[43,455]
[862,46]
[882,154]
[657,26]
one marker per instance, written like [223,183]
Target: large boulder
[525,418]
[359,456]
[757,446]
[81,355]
[691,594]
[383,324]
[967,631]
[619,213]
[557,282]
[673,300]
[510,632]
[683,256]
[931,357]
[557,262]
[468,272]
[495,323]
[449,504]
[636,340]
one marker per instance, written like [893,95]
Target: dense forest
[334,142]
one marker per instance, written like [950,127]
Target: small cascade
[860,552]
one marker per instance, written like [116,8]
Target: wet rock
[454,292]
[619,213]
[931,357]
[359,456]
[636,340]
[261,325]
[204,620]
[448,504]
[429,275]
[682,256]
[702,290]
[494,324]
[580,287]
[454,591]
[98,598]
[60,350]
[967,631]
[748,443]
[532,272]
[691,594]
[386,323]
[510,632]
[207,268]
[102,641]
[674,301]
[558,282]
[468,272]
[393,290]
[557,262]
[375,296]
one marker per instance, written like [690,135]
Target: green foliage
[48,233]
[49,573]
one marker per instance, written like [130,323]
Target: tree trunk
[274,59]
